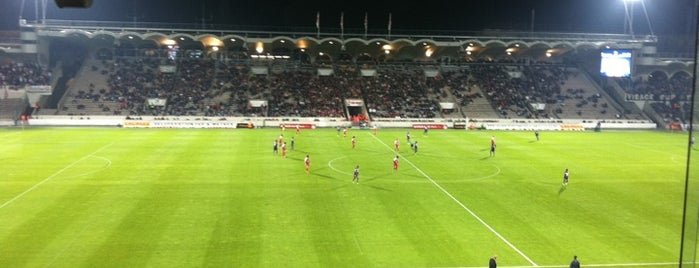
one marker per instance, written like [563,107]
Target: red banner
[430,126]
[300,125]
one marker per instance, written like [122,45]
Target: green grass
[94,197]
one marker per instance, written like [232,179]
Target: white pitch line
[463,206]
[330,164]
[669,264]
[672,156]
[52,176]
[356,242]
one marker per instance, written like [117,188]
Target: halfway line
[52,176]
[463,206]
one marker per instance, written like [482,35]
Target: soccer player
[275,149]
[566,175]
[396,143]
[691,141]
[374,128]
[395,163]
[298,131]
[307,163]
[492,149]
[492,140]
[354,141]
[492,263]
[575,263]
[424,133]
[536,133]
[284,150]
[338,131]
[292,143]
[407,136]
[355,179]
[281,139]
[415,147]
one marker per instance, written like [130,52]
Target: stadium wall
[304,122]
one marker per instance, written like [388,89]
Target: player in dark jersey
[574,263]
[492,149]
[355,179]
[275,149]
[566,175]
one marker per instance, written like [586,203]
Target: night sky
[598,16]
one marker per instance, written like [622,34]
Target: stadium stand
[671,96]
[207,87]
[23,73]
[17,72]
[140,78]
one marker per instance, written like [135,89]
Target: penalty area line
[52,176]
[463,206]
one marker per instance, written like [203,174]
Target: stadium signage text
[301,126]
[354,103]
[429,126]
[565,127]
[180,124]
[654,97]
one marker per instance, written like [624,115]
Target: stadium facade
[431,54]
[270,52]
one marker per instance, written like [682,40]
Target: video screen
[615,63]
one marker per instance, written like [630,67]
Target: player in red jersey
[375,129]
[298,130]
[281,139]
[307,163]
[395,163]
[284,150]
[396,143]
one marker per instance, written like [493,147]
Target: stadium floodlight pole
[389,26]
[628,16]
[342,27]
[645,11]
[44,7]
[21,9]
[318,24]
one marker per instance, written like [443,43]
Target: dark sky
[599,16]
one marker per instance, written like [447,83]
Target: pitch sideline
[462,206]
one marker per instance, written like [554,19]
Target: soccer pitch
[108,197]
